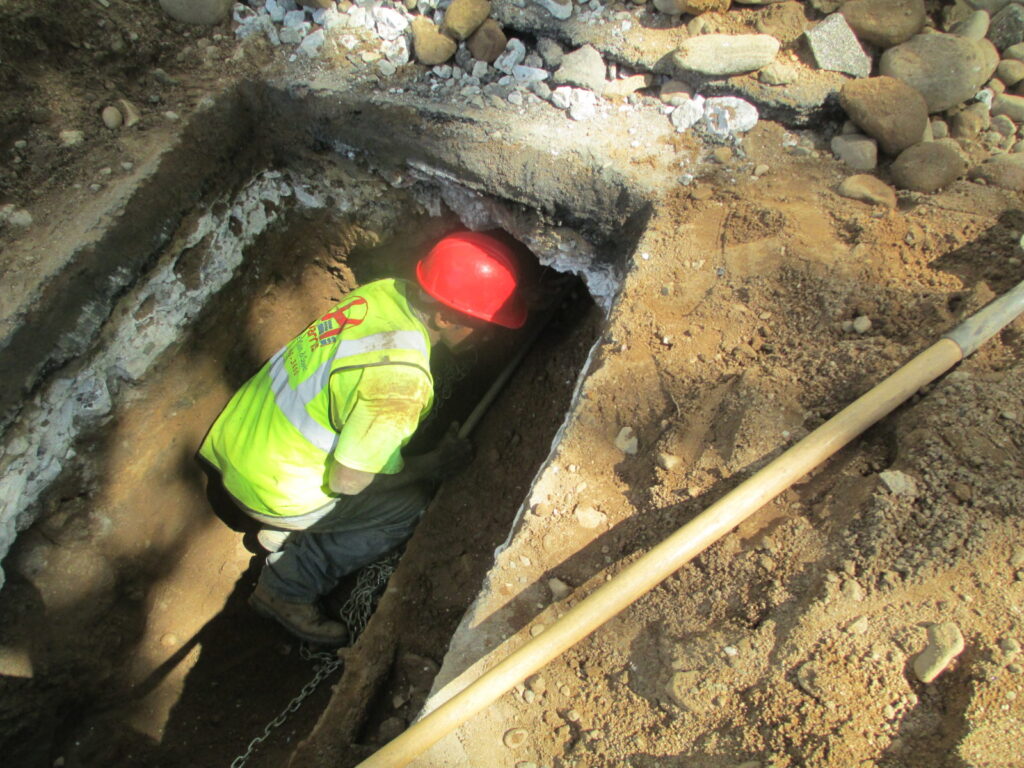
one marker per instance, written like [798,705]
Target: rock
[675,92]
[807,679]
[18,218]
[927,167]
[778,73]
[868,189]
[583,103]
[989,6]
[313,42]
[559,589]
[858,626]
[671,7]
[626,441]
[205,12]
[112,117]
[784,21]
[463,17]
[71,138]
[886,109]
[561,98]
[945,69]
[724,54]
[726,116]
[584,68]
[589,517]
[1014,52]
[969,122]
[625,86]
[697,7]
[668,461]
[557,8]
[1007,26]
[835,47]
[1017,557]
[129,113]
[688,114]
[1009,105]
[525,74]
[1005,171]
[898,483]
[884,23]
[858,152]
[551,52]
[429,46]
[515,737]
[945,643]
[389,23]
[974,27]
[1003,125]
[513,55]
[1010,71]
[488,42]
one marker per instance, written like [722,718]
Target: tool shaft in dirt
[678,549]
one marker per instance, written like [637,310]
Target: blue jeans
[331,542]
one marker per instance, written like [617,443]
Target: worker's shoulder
[395,381]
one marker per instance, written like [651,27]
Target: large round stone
[927,167]
[945,69]
[488,42]
[1006,171]
[462,17]
[428,44]
[887,109]
[884,23]
[868,189]
[725,54]
[206,12]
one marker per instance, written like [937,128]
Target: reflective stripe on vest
[293,401]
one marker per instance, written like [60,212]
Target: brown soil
[127,599]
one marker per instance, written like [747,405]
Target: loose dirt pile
[756,306]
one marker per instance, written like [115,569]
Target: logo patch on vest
[328,328]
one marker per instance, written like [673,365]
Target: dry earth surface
[790,643]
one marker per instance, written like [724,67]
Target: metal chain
[356,613]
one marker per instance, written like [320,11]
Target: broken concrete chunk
[589,517]
[583,68]
[513,55]
[898,483]
[726,116]
[945,643]
[835,47]
[725,54]
[560,10]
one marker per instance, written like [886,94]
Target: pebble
[1010,105]
[1017,557]
[974,27]
[969,122]
[928,167]
[868,189]
[71,138]
[778,73]
[112,117]
[852,590]
[560,10]
[761,170]
[626,441]
[515,98]
[945,69]
[886,109]
[899,483]
[559,589]
[835,47]
[550,51]
[172,116]
[724,54]
[169,640]
[515,737]
[857,151]
[583,68]
[1007,26]
[885,23]
[726,116]
[1005,171]
[858,626]
[312,43]
[537,684]
[1009,645]
[945,643]
[687,114]
[668,461]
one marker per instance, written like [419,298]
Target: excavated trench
[124,634]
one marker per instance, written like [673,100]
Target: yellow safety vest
[273,441]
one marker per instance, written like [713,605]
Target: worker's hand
[452,454]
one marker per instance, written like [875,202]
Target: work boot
[304,620]
[272,539]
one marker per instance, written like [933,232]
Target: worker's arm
[451,455]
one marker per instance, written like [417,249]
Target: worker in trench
[311,446]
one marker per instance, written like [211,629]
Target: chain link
[356,613]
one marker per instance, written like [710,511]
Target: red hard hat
[474,273]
